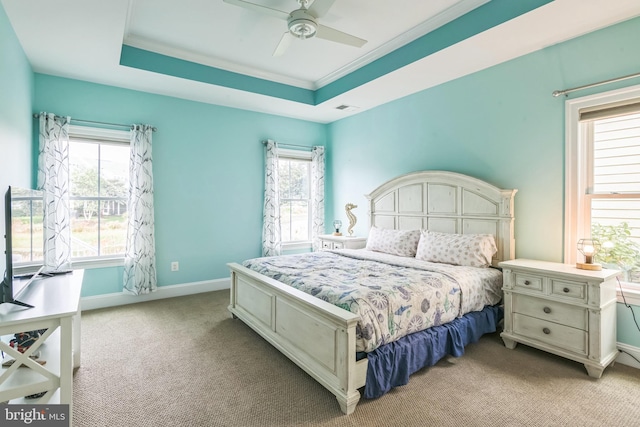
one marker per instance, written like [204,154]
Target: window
[98,187]
[294,172]
[98,195]
[603,179]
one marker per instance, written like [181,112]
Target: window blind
[616,154]
[610,111]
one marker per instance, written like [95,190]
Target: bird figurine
[351,216]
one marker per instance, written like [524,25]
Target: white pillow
[394,242]
[474,250]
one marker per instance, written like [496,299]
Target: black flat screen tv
[13,286]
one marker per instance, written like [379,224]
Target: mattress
[393,296]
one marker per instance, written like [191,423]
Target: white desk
[56,302]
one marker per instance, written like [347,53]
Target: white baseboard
[624,356]
[121,298]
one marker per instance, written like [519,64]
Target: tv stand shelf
[56,302]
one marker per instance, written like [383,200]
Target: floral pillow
[474,250]
[394,242]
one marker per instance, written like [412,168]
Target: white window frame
[577,224]
[299,155]
[109,136]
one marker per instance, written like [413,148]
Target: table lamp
[589,248]
[337,224]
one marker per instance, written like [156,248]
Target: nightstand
[329,241]
[561,309]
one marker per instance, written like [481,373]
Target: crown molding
[198,58]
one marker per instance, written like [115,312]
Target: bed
[326,340]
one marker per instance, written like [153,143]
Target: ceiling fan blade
[338,36]
[259,8]
[319,8]
[284,44]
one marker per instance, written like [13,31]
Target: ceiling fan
[303,23]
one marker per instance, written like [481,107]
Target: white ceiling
[82,39]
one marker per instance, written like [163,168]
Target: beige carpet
[185,362]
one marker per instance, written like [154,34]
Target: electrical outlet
[175,266]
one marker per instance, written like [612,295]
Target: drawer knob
[547,310]
[565,290]
[527,283]
[547,331]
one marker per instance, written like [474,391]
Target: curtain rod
[290,145]
[564,92]
[37,115]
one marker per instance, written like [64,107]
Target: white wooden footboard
[317,336]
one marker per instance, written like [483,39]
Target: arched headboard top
[447,202]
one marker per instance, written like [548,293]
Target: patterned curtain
[271,244]
[53,180]
[317,195]
[140,251]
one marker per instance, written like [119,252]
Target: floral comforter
[394,296]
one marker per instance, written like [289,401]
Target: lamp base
[585,266]
[337,234]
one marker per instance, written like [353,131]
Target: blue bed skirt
[391,365]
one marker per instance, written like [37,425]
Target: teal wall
[208,166]
[16,96]
[501,125]
[627,331]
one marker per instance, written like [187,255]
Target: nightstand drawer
[329,242]
[567,289]
[529,282]
[560,336]
[572,316]
[332,245]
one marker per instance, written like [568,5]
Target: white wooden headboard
[446,202]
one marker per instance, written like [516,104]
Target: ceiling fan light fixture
[302,25]
[303,30]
